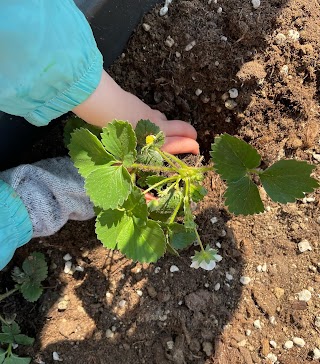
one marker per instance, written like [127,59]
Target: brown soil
[180,317]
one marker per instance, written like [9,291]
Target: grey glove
[52,191]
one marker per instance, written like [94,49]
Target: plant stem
[9,293]
[164,181]
[167,159]
[198,238]
[144,167]
[175,212]
[172,158]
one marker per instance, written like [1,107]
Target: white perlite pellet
[146,27]
[288,344]
[256,4]
[190,46]
[174,269]
[257,324]
[299,342]
[67,257]
[304,246]
[245,280]
[316,354]
[293,34]
[233,93]
[169,42]
[56,357]
[304,295]
[272,357]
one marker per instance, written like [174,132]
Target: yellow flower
[150,139]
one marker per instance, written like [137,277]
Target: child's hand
[109,101]
[180,136]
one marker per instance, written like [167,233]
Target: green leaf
[287,180]
[150,156]
[14,359]
[6,338]
[136,206]
[119,139]
[23,340]
[3,354]
[142,243]
[110,222]
[12,329]
[242,197]
[77,123]
[197,192]
[31,291]
[233,157]
[143,129]
[180,237]
[166,203]
[35,267]
[108,226]
[109,186]
[87,152]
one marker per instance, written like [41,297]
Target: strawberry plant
[121,165]
[28,279]
[10,336]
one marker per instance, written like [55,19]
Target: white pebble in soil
[245,280]
[233,93]
[317,321]
[288,344]
[304,246]
[163,11]
[217,287]
[273,344]
[109,334]
[56,356]
[67,267]
[272,357]
[122,303]
[304,295]
[316,354]
[174,269]
[298,341]
[67,257]
[146,27]
[257,324]
[293,34]
[169,42]
[190,46]
[256,4]
[229,276]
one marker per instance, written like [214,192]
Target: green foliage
[237,163]
[120,162]
[11,334]
[28,279]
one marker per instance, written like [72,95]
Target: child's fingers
[178,128]
[180,145]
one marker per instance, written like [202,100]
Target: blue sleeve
[15,224]
[49,59]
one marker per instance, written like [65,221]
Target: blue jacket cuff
[15,224]
[68,99]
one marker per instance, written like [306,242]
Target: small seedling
[28,279]
[121,165]
[10,336]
